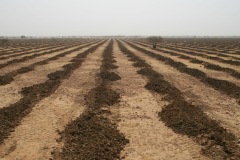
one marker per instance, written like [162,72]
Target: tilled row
[204,53]
[224,86]
[31,52]
[17,50]
[212,45]
[11,116]
[231,62]
[185,118]
[207,65]
[23,59]
[93,135]
[35,43]
[8,78]
[14,51]
[26,48]
[230,51]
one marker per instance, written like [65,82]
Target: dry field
[107,99]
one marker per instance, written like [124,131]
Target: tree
[23,37]
[155,40]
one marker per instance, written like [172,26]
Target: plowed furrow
[17,50]
[11,57]
[14,51]
[218,59]
[9,77]
[148,137]
[214,51]
[228,88]
[11,116]
[202,52]
[39,74]
[93,135]
[221,107]
[25,62]
[39,48]
[26,58]
[211,70]
[36,137]
[186,118]
[195,58]
[212,47]
[31,52]
[4,60]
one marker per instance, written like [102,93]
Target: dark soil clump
[11,116]
[92,135]
[109,76]
[226,87]
[8,78]
[188,119]
[5,79]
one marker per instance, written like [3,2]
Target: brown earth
[36,137]
[138,120]
[11,92]
[221,107]
[104,104]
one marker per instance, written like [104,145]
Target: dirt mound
[11,116]
[148,72]
[101,95]
[225,86]
[108,66]
[194,60]
[188,119]
[93,135]
[193,72]
[8,78]
[5,79]
[109,76]
[185,118]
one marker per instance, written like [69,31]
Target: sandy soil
[208,60]
[36,137]
[220,107]
[36,51]
[18,51]
[31,61]
[18,57]
[136,115]
[149,137]
[207,49]
[209,72]
[213,55]
[10,93]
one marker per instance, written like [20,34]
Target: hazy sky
[119,17]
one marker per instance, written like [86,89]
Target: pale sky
[119,17]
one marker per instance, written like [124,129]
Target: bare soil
[111,99]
